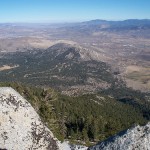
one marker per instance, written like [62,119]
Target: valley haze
[122,44]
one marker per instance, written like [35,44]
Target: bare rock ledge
[135,138]
[20,126]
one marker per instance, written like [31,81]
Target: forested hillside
[84,119]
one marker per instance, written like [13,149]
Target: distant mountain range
[127,22]
[131,24]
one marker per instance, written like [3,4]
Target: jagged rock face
[20,126]
[136,138]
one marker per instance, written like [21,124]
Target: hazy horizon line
[68,22]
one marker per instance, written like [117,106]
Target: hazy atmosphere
[75,74]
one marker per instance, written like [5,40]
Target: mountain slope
[68,68]
[62,66]
[88,118]
[20,126]
[137,138]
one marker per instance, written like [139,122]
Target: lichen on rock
[20,126]
[135,138]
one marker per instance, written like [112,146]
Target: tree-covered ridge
[63,68]
[88,118]
[56,68]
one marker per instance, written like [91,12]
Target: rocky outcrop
[20,126]
[136,138]
[67,146]
[21,129]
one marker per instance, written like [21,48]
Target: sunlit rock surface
[20,126]
[136,138]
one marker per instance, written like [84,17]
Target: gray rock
[20,126]
[136,138]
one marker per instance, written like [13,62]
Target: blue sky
[72,10]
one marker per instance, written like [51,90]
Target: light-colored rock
[20,126]
[67,146]
[136,138]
